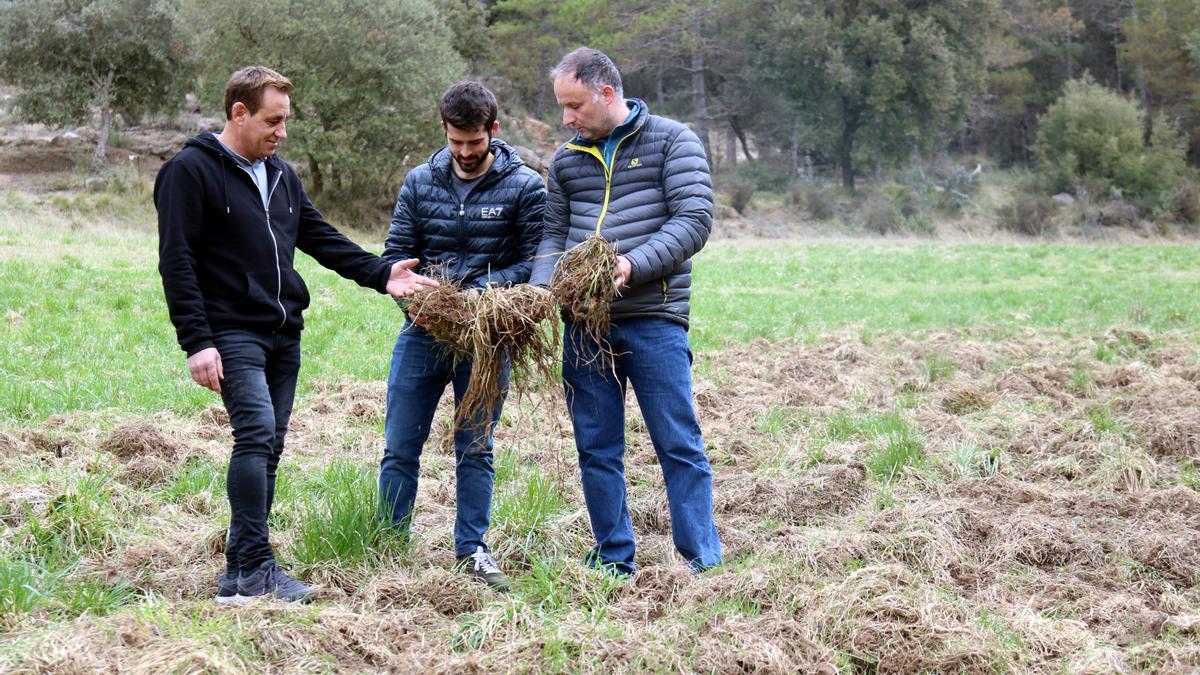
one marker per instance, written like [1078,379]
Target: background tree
[75,58]
[877,75]
[368,74]
[1096,134]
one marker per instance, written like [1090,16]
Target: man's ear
[608,93]
[495,127]
[238,111]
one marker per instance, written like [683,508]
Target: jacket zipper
[275,247]
[461,261]
[608,170]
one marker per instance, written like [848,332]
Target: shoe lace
[484,562]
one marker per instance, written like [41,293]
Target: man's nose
[568,118]
[281,132]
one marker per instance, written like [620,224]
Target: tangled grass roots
[583,285]
[445,311]
[516,322]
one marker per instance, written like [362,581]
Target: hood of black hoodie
[207,140]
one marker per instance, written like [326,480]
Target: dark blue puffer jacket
[491,238]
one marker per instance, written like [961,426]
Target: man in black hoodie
[474,210]
[230,218]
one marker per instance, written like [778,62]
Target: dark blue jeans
[652,355]
[258,391]
[420,371]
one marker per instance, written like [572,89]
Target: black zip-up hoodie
[226,262]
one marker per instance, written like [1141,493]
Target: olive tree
[73,59]
[368,74]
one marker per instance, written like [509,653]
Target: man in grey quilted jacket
[642,182]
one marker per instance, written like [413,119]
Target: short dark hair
[591,67]
[247,85]
[469,105]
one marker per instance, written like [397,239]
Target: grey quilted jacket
[654,204]
[490,238]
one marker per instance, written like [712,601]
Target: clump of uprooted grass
[516,323]
[583,285]
[445,312]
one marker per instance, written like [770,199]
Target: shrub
[1185,206]
[820,202]
[740,191]
[1094,133]
[1027,213]
[881,215]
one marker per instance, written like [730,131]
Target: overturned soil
[1048,520]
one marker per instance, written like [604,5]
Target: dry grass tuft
[775,643]
[445,311]
[48,444]
[890,620]
[447,592]
[583,285]
[967,399]
[517,324]
[140,439]
[654,591]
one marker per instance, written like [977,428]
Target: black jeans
[258,390]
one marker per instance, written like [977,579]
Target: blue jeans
[258,391]
[652,355]
[419,373]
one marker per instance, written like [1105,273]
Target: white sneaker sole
[237,599]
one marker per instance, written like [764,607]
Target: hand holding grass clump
[584,285]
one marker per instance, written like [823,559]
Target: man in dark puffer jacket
[642,182]
[475,211]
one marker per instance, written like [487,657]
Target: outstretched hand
[403,282]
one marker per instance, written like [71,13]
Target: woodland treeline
[1104,91]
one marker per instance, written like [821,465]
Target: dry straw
[583,286]
[516,324]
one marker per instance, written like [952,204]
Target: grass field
[928,457]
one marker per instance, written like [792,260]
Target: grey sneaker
[483,567]
[227,590]
[270,579]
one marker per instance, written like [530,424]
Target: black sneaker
[270,579]
[227,590]
[483,567]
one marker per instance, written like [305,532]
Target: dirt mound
[828,488]
[447,592]
[890,620]
[148,456]
[775,643]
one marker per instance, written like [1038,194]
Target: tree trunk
[731,147]
[1140,71]
[699,95]
[317,179]
[844,160]
[104,102]
[1070,42]
[660,95]
[741,136]
[846,146]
